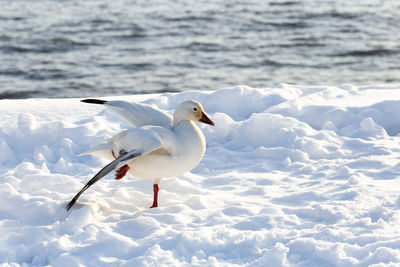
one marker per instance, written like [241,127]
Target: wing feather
[136,114]
[115,164]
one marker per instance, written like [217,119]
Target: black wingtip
[70,204]
[94,101]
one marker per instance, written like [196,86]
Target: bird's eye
[195,109]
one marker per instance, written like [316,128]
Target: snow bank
[292,176]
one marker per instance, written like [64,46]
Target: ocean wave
[368,52]
[51,45]
[18,94]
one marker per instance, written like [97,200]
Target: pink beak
[205,119]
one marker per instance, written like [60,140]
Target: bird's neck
[186,128]
[191,136]
[182,124]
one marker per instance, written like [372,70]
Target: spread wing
[137,141]
[135,113]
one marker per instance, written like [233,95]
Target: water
[94,48]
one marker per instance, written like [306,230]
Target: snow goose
[159,146]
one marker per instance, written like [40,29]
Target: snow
[292,176]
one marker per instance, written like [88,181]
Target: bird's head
[193,111]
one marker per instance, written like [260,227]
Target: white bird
[159,146]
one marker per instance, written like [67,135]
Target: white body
[188,147]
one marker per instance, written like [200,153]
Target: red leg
[121,172]
[155,191]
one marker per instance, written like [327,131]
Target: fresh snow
[292,176]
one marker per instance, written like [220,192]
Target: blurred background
[80,48]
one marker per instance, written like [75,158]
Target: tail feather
[94,101]
[101,147]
